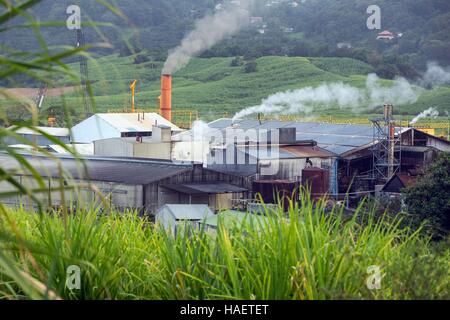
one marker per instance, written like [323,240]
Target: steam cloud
[429,113]
[208,31]
[305,100]
[435,75]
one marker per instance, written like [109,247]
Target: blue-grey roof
[130,171]
[336,138]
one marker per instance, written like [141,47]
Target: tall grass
[307,254]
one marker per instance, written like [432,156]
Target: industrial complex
[143,161]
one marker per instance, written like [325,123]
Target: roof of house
[119,170]
[135,122]
[205,188]
[386,33]
[187,211]
[52,131]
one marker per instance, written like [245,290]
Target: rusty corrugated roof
[407,180]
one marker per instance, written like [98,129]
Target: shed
[171,216]
[218,195]
[118,125]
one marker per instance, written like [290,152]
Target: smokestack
[388,112]
[166,97]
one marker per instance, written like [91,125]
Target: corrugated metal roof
[188,212]
[240,170]
[118,170]
[133,122]
[287,152]
[205,188]
[52,131]
[337,138]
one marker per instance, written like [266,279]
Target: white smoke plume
[208,32]
[429,113]
[435,76]
[306,100]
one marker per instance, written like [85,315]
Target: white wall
[93,128]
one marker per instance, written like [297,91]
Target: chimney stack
[166,97]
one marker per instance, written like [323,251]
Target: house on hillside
[386,35]
[118,125]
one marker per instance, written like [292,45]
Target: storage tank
[316,180]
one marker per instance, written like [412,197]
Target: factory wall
[113,148]
[120,196]
[156,195]
[152,150]
[291,169]
[182,151]
[193,151]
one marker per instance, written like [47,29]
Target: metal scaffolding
[386,143]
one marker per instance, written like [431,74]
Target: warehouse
[127,183]
[117,125]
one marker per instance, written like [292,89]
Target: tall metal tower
[84,75]
[386,143]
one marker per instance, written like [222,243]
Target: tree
[251,67]
[429,199]
[237,62]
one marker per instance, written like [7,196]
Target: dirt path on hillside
[32,93]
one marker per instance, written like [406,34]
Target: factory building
[346,151]
[159,146]
[118,125]
[145,185]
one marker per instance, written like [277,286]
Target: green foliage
[429,199]
[310,255]
[251,67]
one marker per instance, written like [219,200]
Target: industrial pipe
[166,97]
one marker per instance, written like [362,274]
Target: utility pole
[74,23]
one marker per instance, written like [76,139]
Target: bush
[237,62]
[429,199]
[251,66]
[310,255]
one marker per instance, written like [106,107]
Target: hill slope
[213,86]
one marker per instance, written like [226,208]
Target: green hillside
[213,87]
